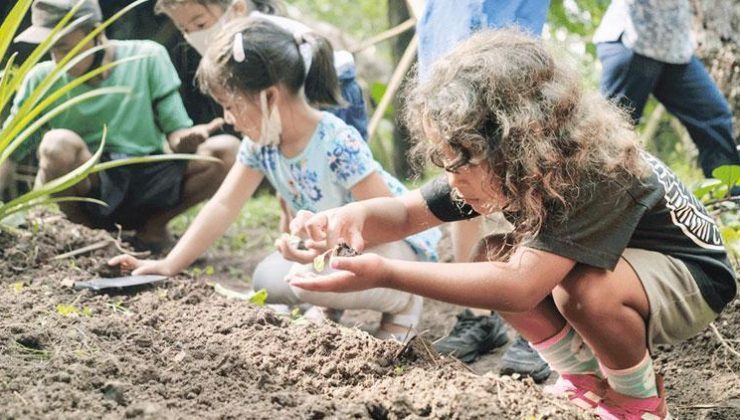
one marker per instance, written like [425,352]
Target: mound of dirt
[179,350]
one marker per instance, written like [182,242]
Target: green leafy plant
[37,110]
[717,194]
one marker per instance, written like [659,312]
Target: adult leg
[202,179]
[60,152]
[626,77]
[689,93]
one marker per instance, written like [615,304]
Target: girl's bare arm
[212,221]
[369,222]
[514,286]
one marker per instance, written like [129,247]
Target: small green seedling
[342,249]
[71,310]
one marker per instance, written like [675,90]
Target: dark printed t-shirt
[657,214]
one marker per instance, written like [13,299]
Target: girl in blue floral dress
[258,72]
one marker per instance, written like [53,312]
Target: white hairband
[305,48]
[238,48]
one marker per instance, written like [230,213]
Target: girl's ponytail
[322,84]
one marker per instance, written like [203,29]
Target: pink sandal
[583,390]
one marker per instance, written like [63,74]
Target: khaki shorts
[678,310]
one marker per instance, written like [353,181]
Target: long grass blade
[59,30]
[5,77]
[151,159]
[10,132]
[11,24]
[5,152]
[60,184]
[76,49]
[50,200]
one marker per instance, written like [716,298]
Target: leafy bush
[720,195]
[35,112]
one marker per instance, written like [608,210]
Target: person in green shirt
[145,121]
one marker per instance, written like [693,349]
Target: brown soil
[180,350]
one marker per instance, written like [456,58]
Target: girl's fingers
[316,227]
[125,261]
[334,282]
[352,264]
[214,125]
[298,224]
[355,240]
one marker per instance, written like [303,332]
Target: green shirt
[137,122]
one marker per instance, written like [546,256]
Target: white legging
[271,272]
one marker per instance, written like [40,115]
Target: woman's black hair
[271,56]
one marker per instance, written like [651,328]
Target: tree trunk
[717,29]
[398,13]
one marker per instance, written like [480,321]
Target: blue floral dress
[322,175]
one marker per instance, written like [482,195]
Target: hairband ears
[237,48]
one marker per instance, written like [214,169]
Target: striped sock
[566,352]
[637,381]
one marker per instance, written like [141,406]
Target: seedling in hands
[342,249]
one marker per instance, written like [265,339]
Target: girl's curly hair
[500,99]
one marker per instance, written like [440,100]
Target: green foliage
[717,196]
[359,18]
[37,110]
[577,17]
[256,227]
[259,298]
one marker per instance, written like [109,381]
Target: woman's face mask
[199,24]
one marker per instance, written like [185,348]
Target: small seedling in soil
[71,310]
[342,249]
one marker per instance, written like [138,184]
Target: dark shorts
[135,192]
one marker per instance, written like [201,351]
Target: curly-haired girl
[610,254]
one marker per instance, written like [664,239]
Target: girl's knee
[582,295]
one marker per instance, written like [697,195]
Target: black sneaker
[521,358]
[473,336]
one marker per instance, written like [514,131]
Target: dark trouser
[686,90]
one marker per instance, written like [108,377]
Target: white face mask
[272,126]
[201,39]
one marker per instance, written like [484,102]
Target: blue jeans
[686,91]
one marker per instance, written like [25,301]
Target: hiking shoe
[473,336]
[583,390]
[616,406]
[521,358]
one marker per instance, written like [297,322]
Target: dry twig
[722,340]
